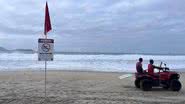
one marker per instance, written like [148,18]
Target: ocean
[87,62]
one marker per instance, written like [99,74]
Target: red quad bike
[166,79]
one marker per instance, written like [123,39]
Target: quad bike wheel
[166,87]
[137,83]
[146,84]
[175,85]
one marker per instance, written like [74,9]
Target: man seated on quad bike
[139,67]
[151,68]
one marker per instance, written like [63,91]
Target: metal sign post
[46,45]
[45,53]
[45,77]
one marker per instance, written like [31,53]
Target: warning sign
[45,49]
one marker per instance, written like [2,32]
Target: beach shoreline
[80,87]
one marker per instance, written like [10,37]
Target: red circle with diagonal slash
[45,47]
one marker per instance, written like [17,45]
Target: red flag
[47,24]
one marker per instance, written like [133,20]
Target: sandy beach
[75,87]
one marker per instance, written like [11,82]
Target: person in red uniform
[139,67]
[151,67]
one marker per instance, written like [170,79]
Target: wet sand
[74,87]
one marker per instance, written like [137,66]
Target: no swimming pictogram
[46,47]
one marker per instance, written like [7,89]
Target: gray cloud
[97,25]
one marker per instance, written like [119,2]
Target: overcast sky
[149,26]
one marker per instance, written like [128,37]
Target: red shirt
[150,69]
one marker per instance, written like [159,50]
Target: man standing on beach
[139,67]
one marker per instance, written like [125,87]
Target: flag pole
[45,76]
[45,70]
[47,28]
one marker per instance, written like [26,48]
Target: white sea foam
[116,63]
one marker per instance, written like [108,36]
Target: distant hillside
[24,50]
[4,50]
